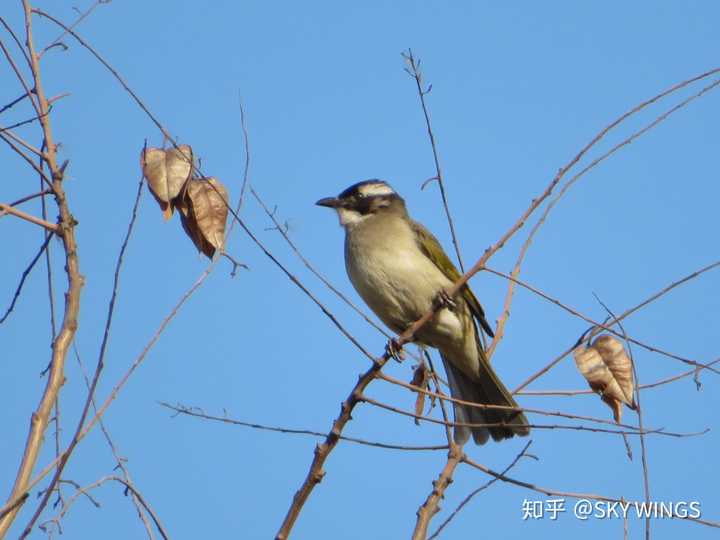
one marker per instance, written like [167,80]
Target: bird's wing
[440,259]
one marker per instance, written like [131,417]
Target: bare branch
[198,413]
[472,494]
[322,451]
[431,505]
[68,328]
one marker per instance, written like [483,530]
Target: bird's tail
[487,389]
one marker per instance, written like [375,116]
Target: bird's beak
[330,202]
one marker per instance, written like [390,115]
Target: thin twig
[635,431]
[246,168]
[19,45]
[635,135]
[602,326]
[309,266]
[112,70]
[27,198]
[81,18]
[569,494]
[533,487]
[638,409]
[416,74]
[621,317]
[31,93]
[198,413]
[20,152]
[483,406]
[7,132]
[14,102]
[128,487]
[25,274]
[98,369]
[8,209]
[20,123]
[120,462]
[661,382]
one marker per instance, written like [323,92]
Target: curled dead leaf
[203,213]
[167,172]
[608,370]
[420,379]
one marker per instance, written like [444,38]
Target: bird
[401,272]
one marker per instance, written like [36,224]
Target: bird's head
[362,201]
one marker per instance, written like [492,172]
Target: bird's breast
[391,274]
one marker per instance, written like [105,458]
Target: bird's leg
[394,350]
[443,300]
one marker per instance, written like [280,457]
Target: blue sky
[517,90]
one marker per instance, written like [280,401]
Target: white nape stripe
[375,189]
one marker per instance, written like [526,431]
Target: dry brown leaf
[420,379]
[608,369]
[203,214]
[167,172]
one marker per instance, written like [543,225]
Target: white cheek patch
[376,189]
[350,217]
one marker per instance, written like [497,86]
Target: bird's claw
[443,300]
[394,350]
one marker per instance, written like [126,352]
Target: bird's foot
[394,350]
[443,300]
